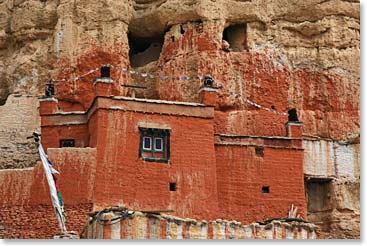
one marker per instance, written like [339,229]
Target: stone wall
[18,120]
[149,226]
[332,180]
[327,158]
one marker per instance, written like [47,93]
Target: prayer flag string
[165,78]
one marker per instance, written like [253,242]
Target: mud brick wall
[125,178]
[25,203]
[39,221]
[148,226]
[242,174]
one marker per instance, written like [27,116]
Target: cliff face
[280,54]
[304,53]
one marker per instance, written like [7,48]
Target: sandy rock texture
[291,53]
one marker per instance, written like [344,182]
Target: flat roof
[158,101]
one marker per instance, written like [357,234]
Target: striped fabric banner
[49,170]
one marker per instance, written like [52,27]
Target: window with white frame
[154,144]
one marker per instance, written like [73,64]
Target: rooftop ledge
[254,136]
[137,105]
[158,101]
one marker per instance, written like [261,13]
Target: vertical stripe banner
[51,183]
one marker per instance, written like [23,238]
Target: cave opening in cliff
[144,50]
[236,37]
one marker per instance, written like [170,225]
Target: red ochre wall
[241,175]
[39,221]
[25,203]
[212,180]
[78,132]
[123,178]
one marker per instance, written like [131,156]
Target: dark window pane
[158,144]
[147,143]
[64,143]
[265,189]
[172,186]
[259,151]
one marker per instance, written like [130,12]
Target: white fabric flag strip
[51,183]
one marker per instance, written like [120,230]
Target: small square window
[265,189]
[65,143]
[154,144]
[259,151]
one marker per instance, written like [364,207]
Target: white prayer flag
[51,183]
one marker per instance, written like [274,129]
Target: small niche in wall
[259,151]
[67,143]
[182,30]
[144,50]
[265,189]
[172,186]
[236,37]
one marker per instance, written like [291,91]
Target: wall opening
[236,37]
[67,143]
[182,30]
[144,50]
[318,195]
[172,186]
[259,151]
[265,189]
[154,144]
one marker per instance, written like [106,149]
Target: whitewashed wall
[330,158]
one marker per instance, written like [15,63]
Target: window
[154,144]
[158,144]
[147,143]
[64,143]
[265,189]
[172,186]
[259,151]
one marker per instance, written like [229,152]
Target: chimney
[104,85]
[48,105]
[105,71]
[293,126]
[50,89]
[48,102]
[208,94]
[294,129]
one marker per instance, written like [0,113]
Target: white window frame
[162,142]
[150,141]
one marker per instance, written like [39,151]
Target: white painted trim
[208,89]
[150,138]
[161,149]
